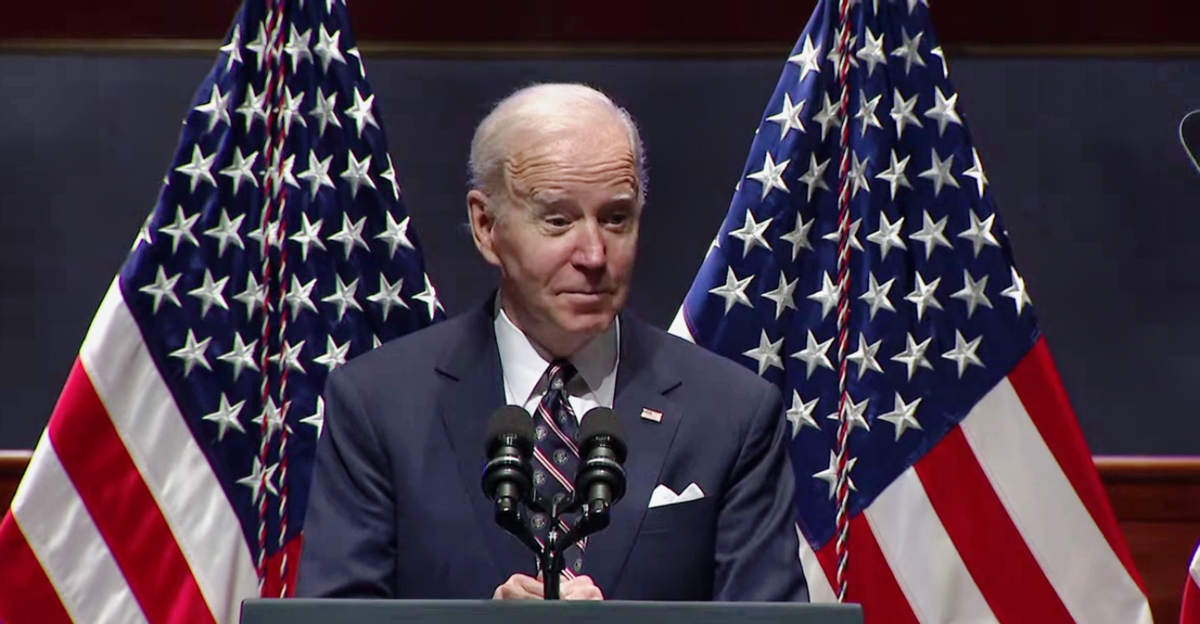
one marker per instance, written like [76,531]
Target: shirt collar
[523,365]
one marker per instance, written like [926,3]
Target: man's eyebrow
[622,198]
[547,202]
[551,198]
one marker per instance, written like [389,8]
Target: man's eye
[618,218]
[557,221]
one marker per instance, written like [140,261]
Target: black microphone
[600,480]
[1189,133]
[507,475]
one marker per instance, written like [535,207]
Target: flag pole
[843,306]
[271,277]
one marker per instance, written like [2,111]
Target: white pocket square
[664,495]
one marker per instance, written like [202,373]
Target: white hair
[534,108]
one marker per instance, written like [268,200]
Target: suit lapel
[465,405]
[641,383]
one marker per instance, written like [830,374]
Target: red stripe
[1190,612]
[292,548]
[122,506]
[27,594]
[545,414]
[991,547]
[565,527]
[541,457]
[1040,389]
[869,578]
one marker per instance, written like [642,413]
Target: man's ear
[483,224]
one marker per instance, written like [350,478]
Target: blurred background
[1074,110]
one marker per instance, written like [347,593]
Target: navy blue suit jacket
[396,509]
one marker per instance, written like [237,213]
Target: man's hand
[519,587]
[580,588]
[522,587]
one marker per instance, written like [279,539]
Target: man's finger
[581,588]
[529,584]
[519,587]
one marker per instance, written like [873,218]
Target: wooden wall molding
[1156,500]
[12,466]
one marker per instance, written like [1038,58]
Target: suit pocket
[681,517]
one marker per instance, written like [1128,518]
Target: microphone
[1189,134]
[600,479]
[507,475]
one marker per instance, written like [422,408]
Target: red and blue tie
[556,458]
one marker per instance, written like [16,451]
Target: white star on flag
[771,175]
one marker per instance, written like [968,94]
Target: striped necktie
[556,458]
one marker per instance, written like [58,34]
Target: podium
[322,611]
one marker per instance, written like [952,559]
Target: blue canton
[345,269]
[938,313]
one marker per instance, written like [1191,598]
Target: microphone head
[601,423]
[507,476]
[510,425]
[1189,133]
[601,475]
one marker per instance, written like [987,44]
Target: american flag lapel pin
[652,415]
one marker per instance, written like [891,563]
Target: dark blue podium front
[318,611]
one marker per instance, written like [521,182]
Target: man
[396,507]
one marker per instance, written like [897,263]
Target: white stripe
[1195,569]
[924,561]
[67,543]
[679,327]
[819,589]
[549,420]
[1090,580]
[553,470]
[171,463]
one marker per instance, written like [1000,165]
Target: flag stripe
[28,595]
[921,555]
[273,584]
[819,588]
[871,583]
[124,510]
[1190,611]
[992,548]
[680,326]
[63,537]
[1045,508]
[173,466]
[1195,568]
[1036,381]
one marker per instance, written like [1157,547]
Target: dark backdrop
[627,22]
[1082,153]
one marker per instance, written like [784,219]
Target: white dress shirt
[523,367]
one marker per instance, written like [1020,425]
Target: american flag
[969,492]
[1190,613]
[172,479]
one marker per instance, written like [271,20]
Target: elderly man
[396,508]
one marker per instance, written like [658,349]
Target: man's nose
[590,250]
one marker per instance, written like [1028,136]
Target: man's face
[565,238]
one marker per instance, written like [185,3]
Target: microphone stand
[595,518]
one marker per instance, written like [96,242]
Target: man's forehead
[550,171]
[564,142]
[619,192]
